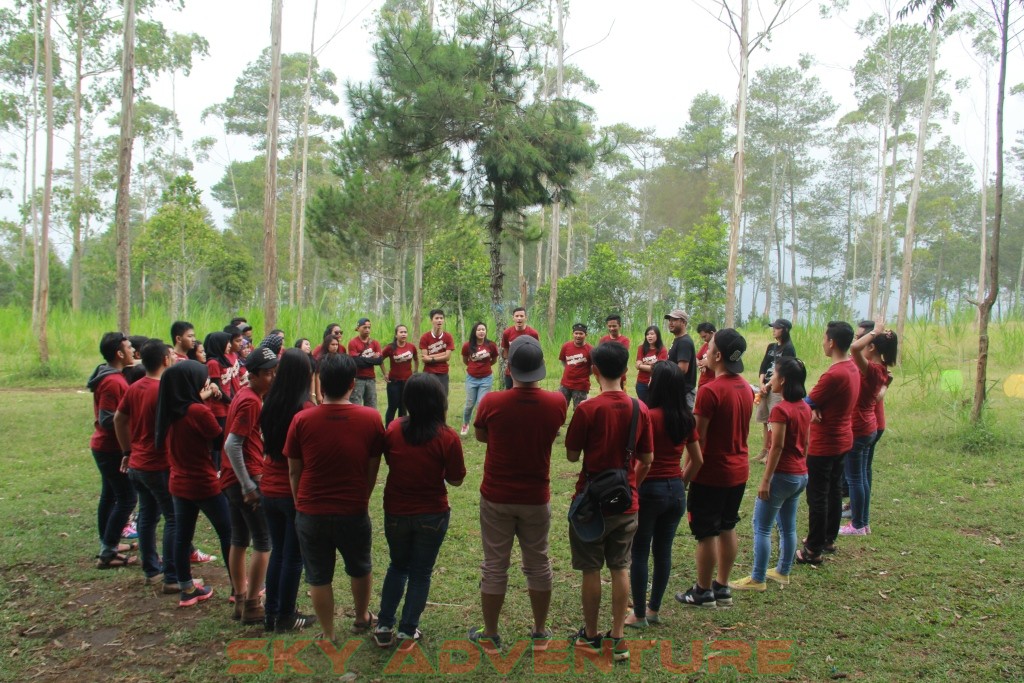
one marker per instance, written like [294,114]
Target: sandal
[115,561]
[364,626]
[804,556]
[127,547]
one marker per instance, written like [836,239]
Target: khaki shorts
[764,408]
[613,549]
[500,525]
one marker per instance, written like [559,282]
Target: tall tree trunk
[523,290]
[568,241]
[417,283]
[983,231]
[876,251]
[300,265]
[124,172]
[738,166]
[494,228]
[792,249]
[44,246]
[33,208]
[292,235]
[270,185]
[886,292]
[556,208]
[76,173]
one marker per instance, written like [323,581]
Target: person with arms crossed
[650,352]
[479,355]
[368,355]
[436,348]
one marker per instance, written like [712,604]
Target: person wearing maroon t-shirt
[511,333]
[784,478]
[333,331]
[705,331]
[515,494]
[575,358]
[865,327]
[333,454]
[220,365]
[436,347]
[368,355]
[183,338]
[404,362]
[650,352]
[614,324]
[117,497]
[599,431]
[479,355]
[423,453]
[832,401]
[723,413]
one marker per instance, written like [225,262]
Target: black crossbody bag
[609,489]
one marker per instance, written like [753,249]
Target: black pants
[508,382]
[394,389]
[824,500]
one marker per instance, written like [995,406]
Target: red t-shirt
[796,415]
[227,380]
[335,442]
[139,406]
[650,358]
[479,363]
[509,336]
[106,398]
[178,357]
[622,339]
[518,461]
[365,349]
[599,428]
[727,403]
[244,420]
[275,482]
[880,414]
[400,358]
[431,345]
[668,456]
[835,395]
[576,374]
[864,419]
[705,374]
[416,474]
[188,453]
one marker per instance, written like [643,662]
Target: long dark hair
[426,406]
[794,374]
[473,346]
[287,395]
[668,392]
[658,344]
[394,340]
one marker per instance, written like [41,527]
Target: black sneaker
[723,594]
[488,643]
[697,597]
[620,650]
[294,622]
[269,623]
[383,636]
[581,640]
[407,640]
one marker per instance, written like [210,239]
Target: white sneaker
[465,430]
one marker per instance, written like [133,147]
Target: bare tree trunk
[738,166]
[292,235]
[983,231]
[540,255]
[556,208]
[522,270]
[568,241]
[76,173]
[792,250]
[124,172]
[44,247]
[417,284]
[305,161]
[270,186]
[35,153]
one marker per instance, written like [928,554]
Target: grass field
[933,594]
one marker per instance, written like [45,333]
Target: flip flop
[116,561]
[804,557]
[363,626]
[127,547]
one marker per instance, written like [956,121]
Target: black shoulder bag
[609,489]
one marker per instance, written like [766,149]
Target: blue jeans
[871,454]
[284,572]
[858,466]
[783,499]
[662,504]
[394,389]
[117,500]
[641,392]
[154,501]
[476,389]
[186,512]
[413,542]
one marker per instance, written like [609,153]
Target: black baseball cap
[526,360]
[261,358]
[731,345]
[782,324]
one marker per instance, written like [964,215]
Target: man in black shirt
[782,346]
[683,352]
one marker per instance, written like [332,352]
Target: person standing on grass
[422,453]
[367,354]
[648,354]
[832,401]
[723,413]
[331,347]
[873,354]
[333,454]
[288,395]
[117,497]
[517,329]
[135,370]
[404,362]
[187,428]
[333,331]
[614,325]
[663,491]
[436,347]
[683,353]
[479,355]
[221,369]
[518,427]
[183,337]
[863,328]
[575,358]
[784,478]
[782,347]
[600,430]
[706,331]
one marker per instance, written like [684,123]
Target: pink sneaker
[850,530]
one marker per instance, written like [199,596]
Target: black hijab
[179,388]
[216,346]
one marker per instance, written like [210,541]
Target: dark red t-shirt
[668,456]
[521,425]
[335,442]
[796,415]
[366,349]
[480,362]
[432,345]
[139,406]
[244,420]
[178,357]
[706,374]
[188,453]
[727,403]
[835,395]
[576,374]
[509,336]
[416,474]
[599,428]
[621,339]
[224,379]
[650,358]
[880,414]
[400,359]
[864,418]
[275,482]
[106,398]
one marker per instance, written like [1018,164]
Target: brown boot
[253,612]
[239,603]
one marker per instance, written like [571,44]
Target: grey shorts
[764,408]
[612,549]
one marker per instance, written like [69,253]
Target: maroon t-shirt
[835,395]
[417,473]
[480,362]
[705,374]
[727,403]
[139,406]
[244,420]
[796,415]
[335,442]
[521,425]
[106,398]
[668,456]
[400,359]
[509,336]
[576,374]
[188,453]
[599,428]
[649,358]
[864,418]
[432,345]
[366,349]
[275,482]
[178,357]
[224,378]
[621,339]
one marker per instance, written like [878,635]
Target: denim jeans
[783,499]
[394,389]
[117,500]
[858,465]
[186,513]
[476,389]
[824,500]
[413,542]
[365,392]
[641,392]
[662,504]
[284,573]
[871,454]
[154,501]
